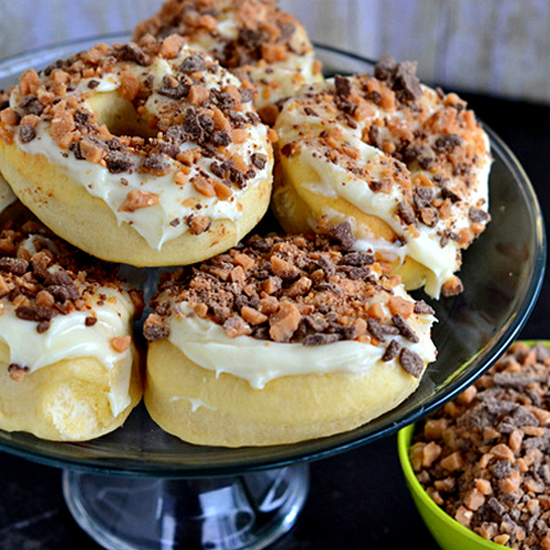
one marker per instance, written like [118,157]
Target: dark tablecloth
[358,499]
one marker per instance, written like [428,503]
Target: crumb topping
[433,147]
[264,32]
[196,118]
[42,276]
[484,456]
[294,290]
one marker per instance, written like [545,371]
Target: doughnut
[390,165]
[279,340]
[147,154]
[69,370]
[253,38]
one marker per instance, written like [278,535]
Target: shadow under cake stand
[142,489]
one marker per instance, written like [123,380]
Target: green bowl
[448,533]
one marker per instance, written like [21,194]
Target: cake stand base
[245,512]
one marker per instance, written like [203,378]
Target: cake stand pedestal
[245,512]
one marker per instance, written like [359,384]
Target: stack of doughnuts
[161,153]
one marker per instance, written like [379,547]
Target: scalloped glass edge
[95,456]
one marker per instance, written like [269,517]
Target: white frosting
[258,361]
[334,181]
[68,337]
[153,222]
[274,81]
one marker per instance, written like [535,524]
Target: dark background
[358,499]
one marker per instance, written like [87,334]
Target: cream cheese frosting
[69,337]
[257,361]
[156,223]
[306,121]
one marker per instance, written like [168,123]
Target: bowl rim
[404,438]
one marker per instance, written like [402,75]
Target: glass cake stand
[142,489]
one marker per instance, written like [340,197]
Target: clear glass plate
[502,274]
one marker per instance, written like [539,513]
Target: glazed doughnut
[253,38]
[280,340]
[396,166]
[148,154]
[69,370]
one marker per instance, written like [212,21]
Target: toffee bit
[17,372]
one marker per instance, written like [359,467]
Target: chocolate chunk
[422,308]
[392,351]
[132,52]
[411,362]
[358,258]
[198,126]
[406,84]
[221,138]
[34,313]
[523,417]
[477,215]
[17,266]
[374,96]
[31,106]
[117,162]
[26,133]
[447,193]
[385,68]
[342,85]
[447,143]
[422,196]
[326,265]
[320,339]
[374,326]
[175,135]
[357,273]
[346,106]
[426,163]
[374,136]
[156,164]
[496,507]
[310,112]
[515,381]
[155,329]
[405,213]
[93,84]
[259,160]
[90,321]
[42,327]
[342,233]
[405,330]
[173,92]
[502,468]
[193,64]
[412,153]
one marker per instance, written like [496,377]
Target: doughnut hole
[119,115]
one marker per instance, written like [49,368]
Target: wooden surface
[500,47]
